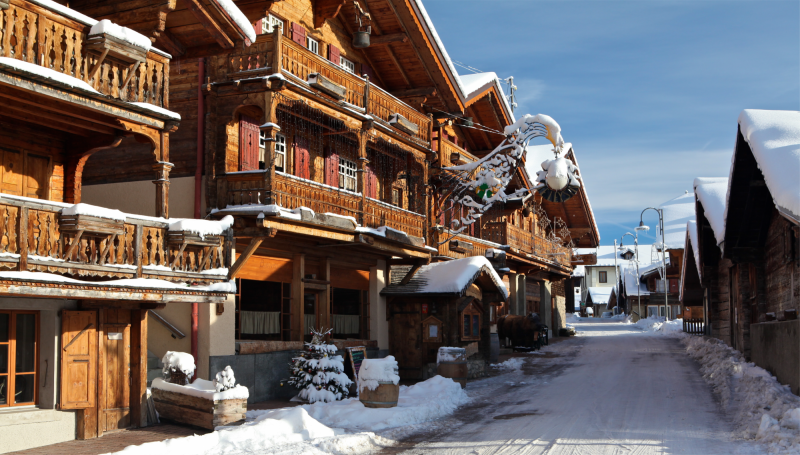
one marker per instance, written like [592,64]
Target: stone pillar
[545,309]
[513,306]
[378,325]
[162,169]
[521,292]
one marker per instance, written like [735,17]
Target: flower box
[323,84]
[197,404]
[403,124]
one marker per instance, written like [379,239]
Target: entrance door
[309,314]
[404,340]
[116,374]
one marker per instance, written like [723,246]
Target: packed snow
[65,11]
[450,354]
[712,193]
[774,138]
[203,227]
[514,363]
[201,388]
[178,361]
[158,110]
[658,325]
[93,210]
[33,69]
[121,33]
[373,372]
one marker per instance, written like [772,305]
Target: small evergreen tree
[318,372]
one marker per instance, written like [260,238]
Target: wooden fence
[694,326]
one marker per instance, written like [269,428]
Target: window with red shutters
[370,182]
[298,34]
[301,158]
[331,167]
[248,143]
[334,54]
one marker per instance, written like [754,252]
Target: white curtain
[345,323]
[309,322]
[260,322]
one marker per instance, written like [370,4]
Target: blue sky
[648,92]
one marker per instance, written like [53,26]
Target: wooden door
[249,134]
[11,171]
[37,173]
[78,359]
[405,342]
[116,372]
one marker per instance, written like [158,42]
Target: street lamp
[636,261]
[642,227]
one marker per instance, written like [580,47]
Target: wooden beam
[209,23]
[420,91]
[414,269]
[52,105]
[30,118]
[171,44]
[383,40]
[60,118]
[398,65]
[326,9]
[298,296]
[237,266]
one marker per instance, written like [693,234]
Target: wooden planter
[200,412]
[403,124]
[323,84]
[384,396]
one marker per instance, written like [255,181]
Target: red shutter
[301,158]
[673,286]
[298,34]
[370,182]
[367,70]
[257,25]
[333,54]
[331,167]
[248,143]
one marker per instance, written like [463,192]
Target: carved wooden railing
[378,213]
[43,37]
[383,105]
[250,61]
[34,237]
[244,188]
[519,239]
[479,246]
[448,149]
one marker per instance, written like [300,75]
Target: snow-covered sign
[478,185]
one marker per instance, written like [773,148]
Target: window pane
[3,390]
[475,326]
[3,358]
[466,325]
[23,385]
[26,343]
[4,327]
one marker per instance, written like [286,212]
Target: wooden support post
[361,176]
[270,130]
[277,39]
[324,301]
[298,296]
[162,169]
[254,244]
[137,250]
[23,238]
[138,392]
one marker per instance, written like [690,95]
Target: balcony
[367,98]
[24,36]
[36,236]
[451,154]
[454,246]
[290,192]
[525,242]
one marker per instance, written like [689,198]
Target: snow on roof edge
[428,25]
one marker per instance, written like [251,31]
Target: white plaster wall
[140,197]
[20,430]
[595,277]
[160,339]
[216,334]
[378,325]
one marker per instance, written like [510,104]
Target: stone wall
[776,348]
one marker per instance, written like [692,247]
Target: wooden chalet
[77,281]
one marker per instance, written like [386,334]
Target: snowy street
[612,389]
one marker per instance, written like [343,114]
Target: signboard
[424,308]
[355,356]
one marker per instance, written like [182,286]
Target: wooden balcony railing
[35,236]
[479,246]
[519,239]
[448,149]
[295,59]
[289,192]
[43,37]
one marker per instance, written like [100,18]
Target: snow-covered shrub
[178,367]
[225,380]
[318,372]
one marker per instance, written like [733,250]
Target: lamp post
[642,227]
[636,261]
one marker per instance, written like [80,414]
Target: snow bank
[375,371]
[514,363]
[658,325]
[178,361]
[121,33]
[450,354]
[203,227]
[203,389]
[47,73]
[93,210]
[573,317]
[761,407]
[711,192]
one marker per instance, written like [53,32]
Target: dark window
[604,277]
[258,307]
[18,357]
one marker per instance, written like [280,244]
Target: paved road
[611,390]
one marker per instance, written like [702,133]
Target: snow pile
[455,276]
[711,192]
[762,408]
[203,389]
[573,317]
[514,363]
[449,354]
[40,71]
[238,18]
[178,361]
[93,210]
[656,324]
[121,33]
[373,372]
[224,380]
[203,227]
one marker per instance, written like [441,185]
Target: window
[347,175]
[603,277]
[397,197]
[347,65]
[312,45]
[280,152]
[659,285]
[471,323]
[269,23]
[18,357]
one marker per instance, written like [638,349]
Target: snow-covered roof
[691,228]
[676,213]
[712,193]
[600,295]
[774,138]
[605,255]
[579,270]
[121,33]
[449,277]
[238,18]
[631,280]
[477,83]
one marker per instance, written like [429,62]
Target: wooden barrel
[384,396]
[454,369]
